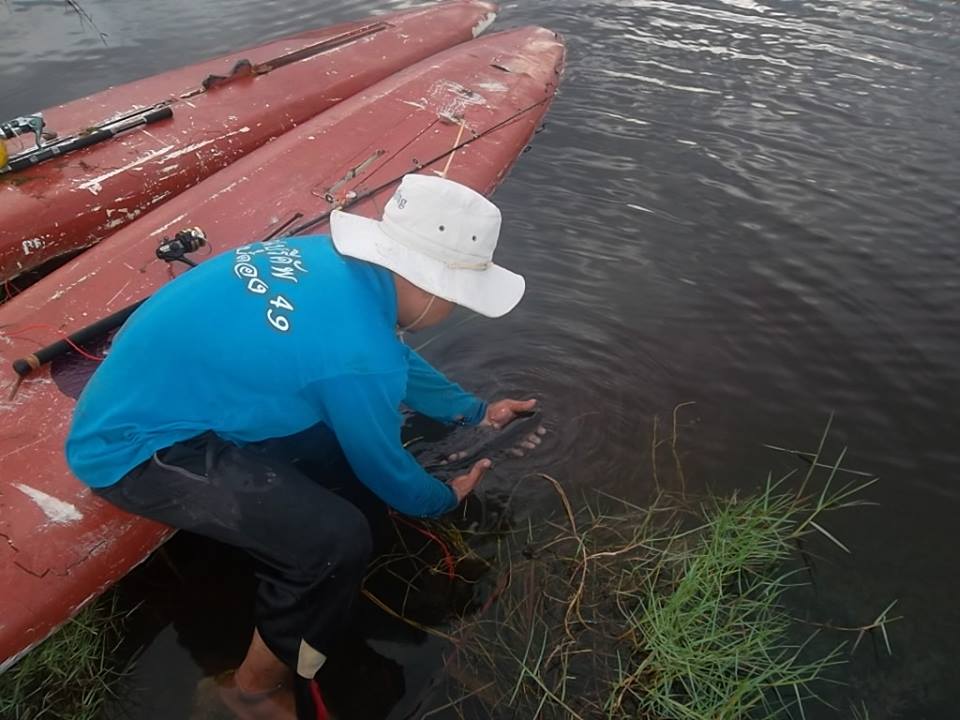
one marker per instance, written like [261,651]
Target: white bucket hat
[439,235]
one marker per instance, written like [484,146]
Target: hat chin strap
[420,317]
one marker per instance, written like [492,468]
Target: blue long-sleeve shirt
[262,342]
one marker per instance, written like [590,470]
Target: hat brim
[492,292]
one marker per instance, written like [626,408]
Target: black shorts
[284,502]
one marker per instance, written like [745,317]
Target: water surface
[748,205]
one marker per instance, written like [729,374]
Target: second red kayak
[140,144]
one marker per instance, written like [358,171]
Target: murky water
[748,205]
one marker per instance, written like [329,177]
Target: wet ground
[748,205]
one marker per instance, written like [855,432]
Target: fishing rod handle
[165,112]
[110,129]
[26,365]
[83,141]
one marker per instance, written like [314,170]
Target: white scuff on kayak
[56,510]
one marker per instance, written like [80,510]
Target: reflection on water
[749,205]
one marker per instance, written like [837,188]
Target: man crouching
[296,338]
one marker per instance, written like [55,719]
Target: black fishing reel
[188,240]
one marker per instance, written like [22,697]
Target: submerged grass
[708,635]
[675,609]
[71,675]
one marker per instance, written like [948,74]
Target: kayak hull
[249,97]
[469,111]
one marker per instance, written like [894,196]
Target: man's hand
[503,412]
[463,485]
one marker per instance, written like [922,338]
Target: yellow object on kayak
[3,153]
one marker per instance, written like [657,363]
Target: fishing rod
[245,69]
[73,143]
[184,242]
[24,366]
[313,222]
[34,124]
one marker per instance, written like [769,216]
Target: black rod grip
[24,366]
[82,141]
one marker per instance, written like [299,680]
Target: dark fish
[482,442]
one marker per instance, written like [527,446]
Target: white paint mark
[94,185]
[118,293]
[492,87]
[484,22]
[64,290]
[125,215]
[32,244]
[162,228]
[151,136]
[228,188]
[204,143]
[192,148]
[57,511]
[450,99]
[27,446]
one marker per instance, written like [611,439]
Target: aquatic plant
[72,674]
[674,609]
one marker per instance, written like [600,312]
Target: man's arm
[433,395]
[366,421]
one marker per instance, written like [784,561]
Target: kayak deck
[221,110]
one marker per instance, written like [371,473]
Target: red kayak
[143,143]
[468,112]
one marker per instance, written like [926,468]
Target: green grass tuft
[710,636]
[671,610]
[71,675]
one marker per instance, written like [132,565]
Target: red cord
[447,555]
[503,582]
[62,335]
[322,712]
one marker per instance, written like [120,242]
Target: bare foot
[275,704]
